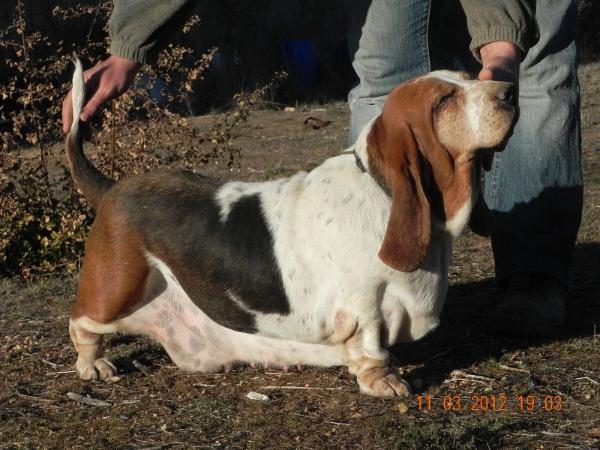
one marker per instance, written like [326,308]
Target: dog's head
[422,150]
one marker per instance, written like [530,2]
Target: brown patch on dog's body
[224,264]
[114,271]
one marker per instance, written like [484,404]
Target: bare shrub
[43,221]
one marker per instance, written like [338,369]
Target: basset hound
[325,268]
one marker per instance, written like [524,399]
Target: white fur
[474,111]
[360,146]
[457,223]
[77,96]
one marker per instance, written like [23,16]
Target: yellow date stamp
[495,403]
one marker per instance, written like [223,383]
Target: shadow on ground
[462,339]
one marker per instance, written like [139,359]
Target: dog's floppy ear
[395,163]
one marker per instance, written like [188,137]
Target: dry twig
[514,369]
[302,388]
[49,374]
[588,379]
[86,400]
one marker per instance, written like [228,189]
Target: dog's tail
[89,180]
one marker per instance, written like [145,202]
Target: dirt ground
[513,393]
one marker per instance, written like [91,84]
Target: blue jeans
[535,185]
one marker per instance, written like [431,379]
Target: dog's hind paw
[102,369]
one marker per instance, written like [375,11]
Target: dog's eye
[444,100]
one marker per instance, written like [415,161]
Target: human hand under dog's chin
[501,61]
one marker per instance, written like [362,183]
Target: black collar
[363,169]
[357,160]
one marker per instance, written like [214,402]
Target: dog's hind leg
[111,284]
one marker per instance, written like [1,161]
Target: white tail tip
[78,95]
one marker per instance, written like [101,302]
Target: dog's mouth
[486,156]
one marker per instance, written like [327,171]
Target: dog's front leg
[370,362]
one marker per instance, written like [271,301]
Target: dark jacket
[140,28]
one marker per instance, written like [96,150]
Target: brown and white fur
[324,268]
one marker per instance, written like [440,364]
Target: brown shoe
[533,306]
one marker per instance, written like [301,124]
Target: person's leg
[535,186]
[388,44]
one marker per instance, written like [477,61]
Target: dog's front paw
[101,368]
[382,382]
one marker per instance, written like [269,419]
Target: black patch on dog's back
[178,217]
[246,253]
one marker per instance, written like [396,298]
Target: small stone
[257,396]
[113,379]
[488,389]
[289,109]
[402,407]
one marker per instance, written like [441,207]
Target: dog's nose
[508,94]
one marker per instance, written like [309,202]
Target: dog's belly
[299,327]
[190,337]
[196,342]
